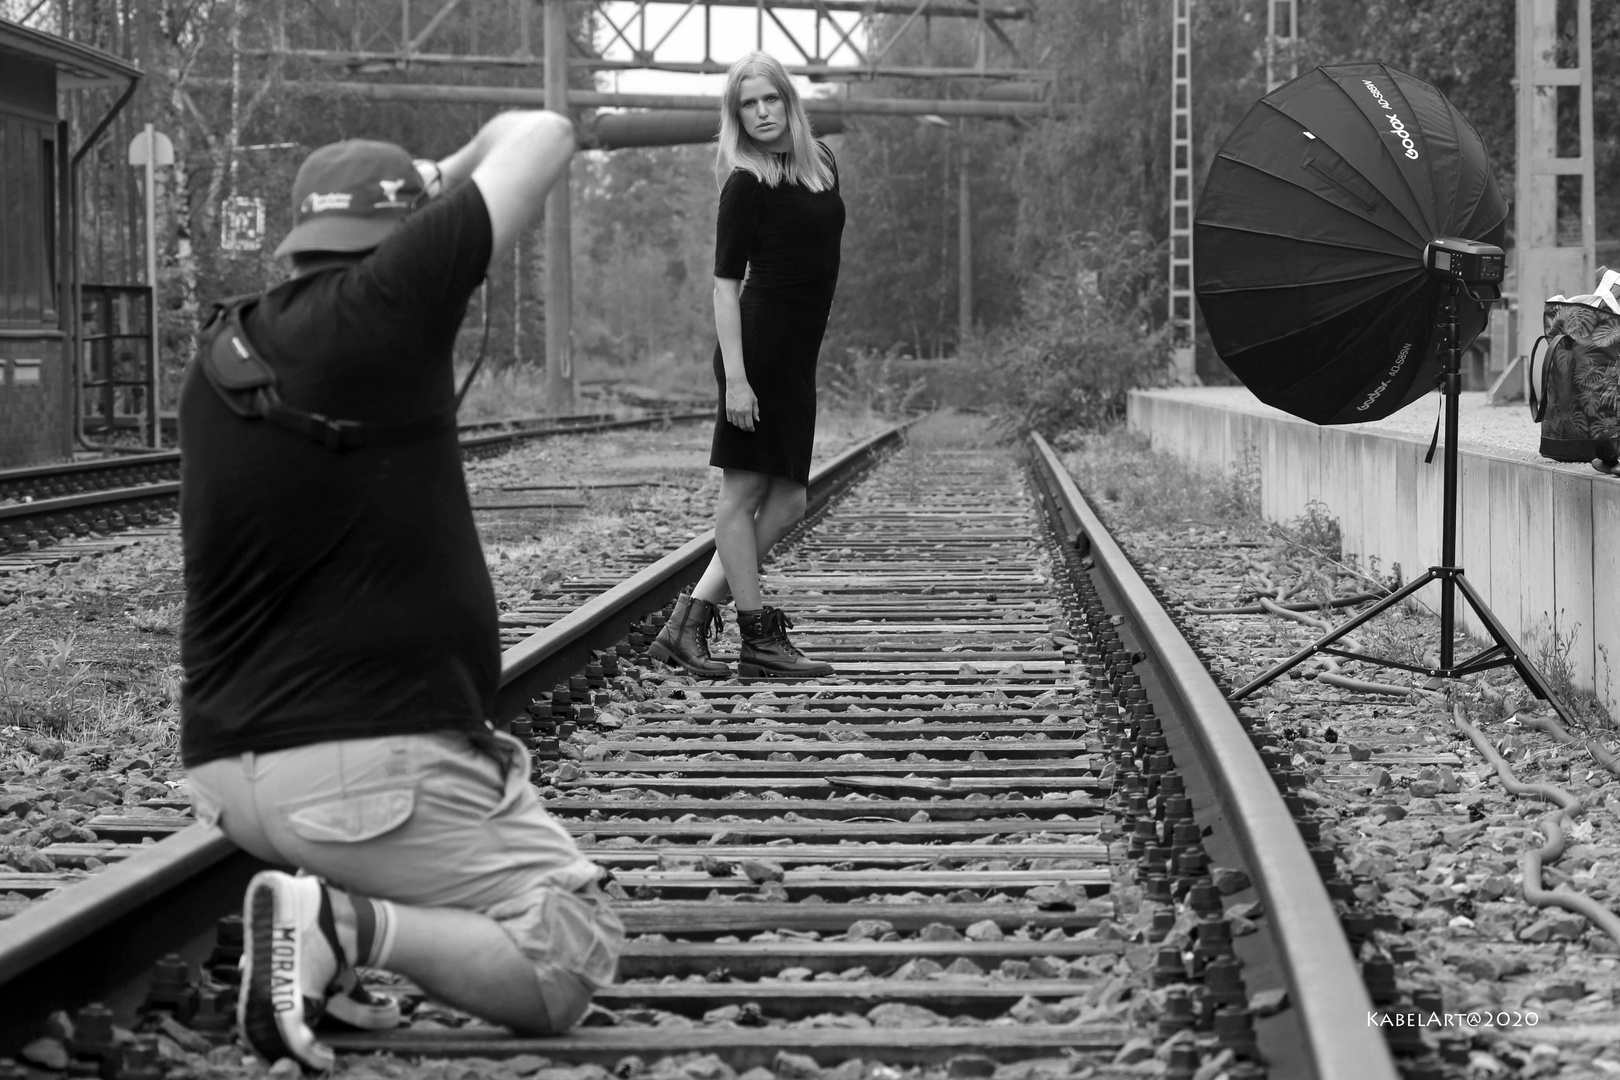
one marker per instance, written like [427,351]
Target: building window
[28,223]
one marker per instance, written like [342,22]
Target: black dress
[787,240]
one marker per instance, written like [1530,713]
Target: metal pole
[559,283]
[1183,313]
[1286,13]
[1452,382]
[151,281]
[1271,45]
[1544,263]
[964,249]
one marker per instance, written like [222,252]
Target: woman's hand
[742,407]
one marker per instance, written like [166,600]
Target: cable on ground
[1257,609]
[1331,673]
[1552,827]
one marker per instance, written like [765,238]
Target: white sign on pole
[241,220]
[139,152]
[151,150]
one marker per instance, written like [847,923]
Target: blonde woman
[775,269]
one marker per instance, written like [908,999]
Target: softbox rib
[1361,134]
[1274,267]
[1412,243]
[1251,318]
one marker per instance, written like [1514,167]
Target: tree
[644,255]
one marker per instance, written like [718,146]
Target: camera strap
[483,344]
[246,382]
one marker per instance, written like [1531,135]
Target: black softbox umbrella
[1310,236]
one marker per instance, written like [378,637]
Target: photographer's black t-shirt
[340,595]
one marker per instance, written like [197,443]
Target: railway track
[44,504]
[1020,823]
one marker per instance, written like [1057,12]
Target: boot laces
[776,626]
[714,623]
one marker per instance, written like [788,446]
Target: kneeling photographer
[340,644]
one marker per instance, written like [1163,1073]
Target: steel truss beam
[375,45]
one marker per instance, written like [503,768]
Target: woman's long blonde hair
[737,150]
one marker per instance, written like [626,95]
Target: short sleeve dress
[783,244]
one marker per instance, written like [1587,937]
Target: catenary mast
[1182,311]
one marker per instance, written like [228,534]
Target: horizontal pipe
[842,106]
[382,60]
[520,97]
[665,127]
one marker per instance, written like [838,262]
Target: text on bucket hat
[348,196]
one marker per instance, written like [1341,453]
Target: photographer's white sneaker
[291,963]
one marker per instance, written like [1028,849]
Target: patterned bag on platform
[1575,383]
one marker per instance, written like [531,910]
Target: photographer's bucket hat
[350,195]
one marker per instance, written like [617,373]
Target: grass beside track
[1139,491]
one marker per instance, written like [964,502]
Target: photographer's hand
[432,175]
[742,407]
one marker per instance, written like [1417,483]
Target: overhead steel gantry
[377,45]
[857,50]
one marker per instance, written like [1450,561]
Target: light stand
[1505,651]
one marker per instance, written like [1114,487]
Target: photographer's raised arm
[514,159]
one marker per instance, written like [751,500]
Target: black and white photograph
[810,539]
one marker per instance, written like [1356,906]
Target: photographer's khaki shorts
[428,821]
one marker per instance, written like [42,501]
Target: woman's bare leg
[755,512]
[736,551]
[782,509]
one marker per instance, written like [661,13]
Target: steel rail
[77,503]
[63,504]
[528,668]
[519,427]
[1324,980]
[573,427]
[145,459]
[95,940]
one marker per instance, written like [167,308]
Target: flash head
[1479,268]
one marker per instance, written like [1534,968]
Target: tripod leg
[1335,634]
[1521,663]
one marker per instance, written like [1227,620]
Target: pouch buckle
[335,434]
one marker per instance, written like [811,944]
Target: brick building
[38,245]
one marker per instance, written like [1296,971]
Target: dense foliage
[1087,332]
[1056,201]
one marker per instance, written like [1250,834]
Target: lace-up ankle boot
[767,653]
[684,640]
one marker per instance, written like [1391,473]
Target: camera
[1479,268]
